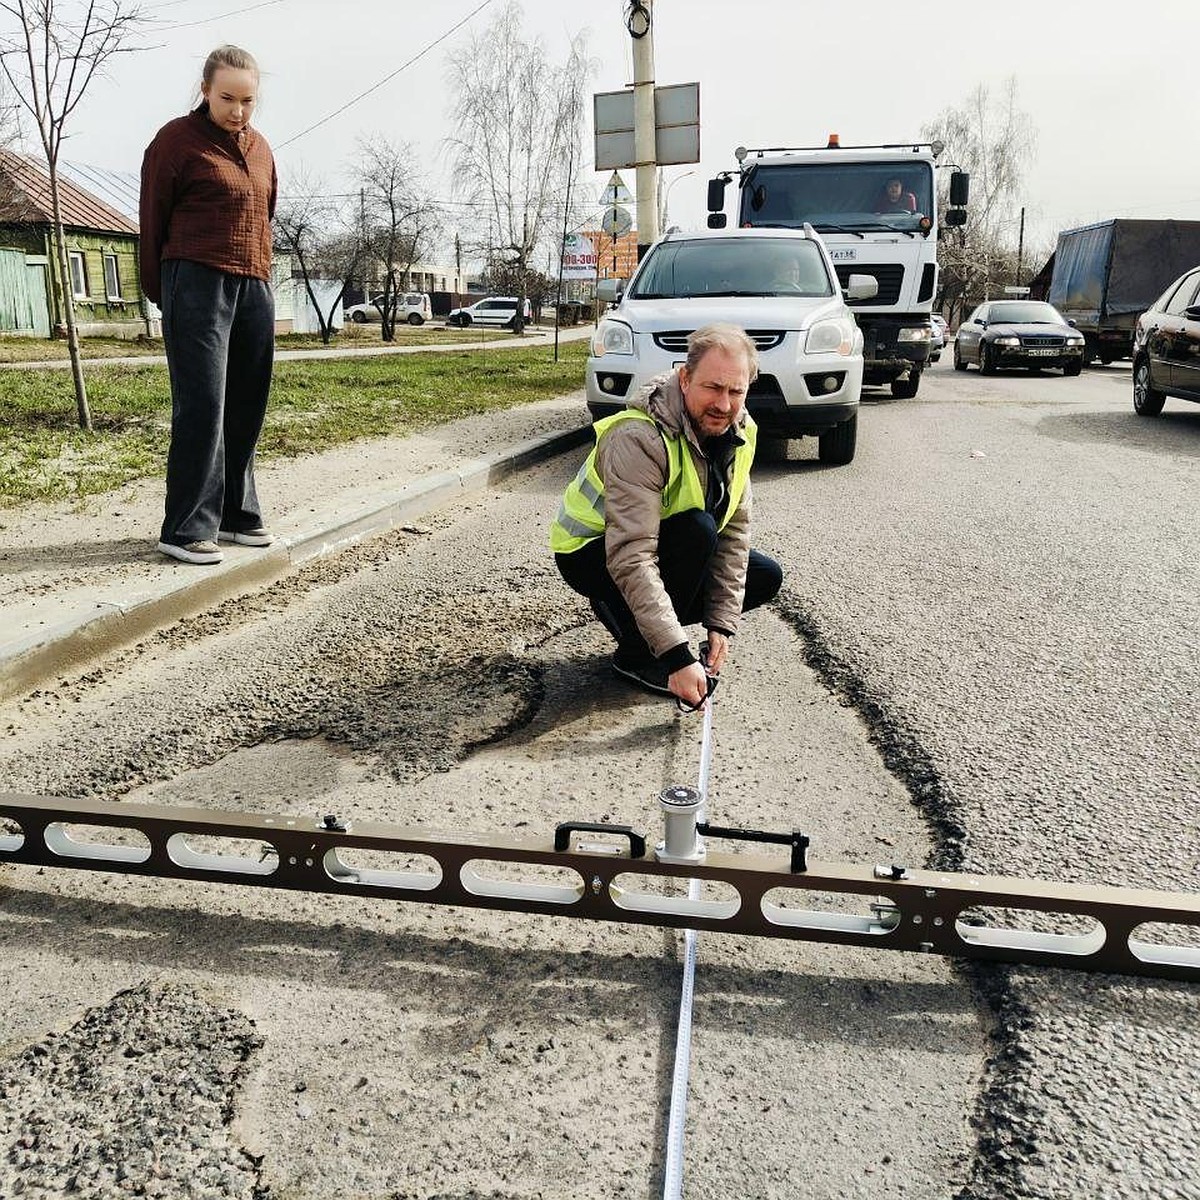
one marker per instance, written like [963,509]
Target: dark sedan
[1166,347]
[1018,333]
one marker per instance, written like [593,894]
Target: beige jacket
[632,462]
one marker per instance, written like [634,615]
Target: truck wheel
[1147,401]
[986,363]
[906,389]
[836,447]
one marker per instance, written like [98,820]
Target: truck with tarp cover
[1105,275]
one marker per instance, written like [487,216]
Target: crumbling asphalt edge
[72,643]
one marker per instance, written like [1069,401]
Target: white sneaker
[246,537]
[203,554]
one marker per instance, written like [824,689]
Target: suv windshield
[1025,312]
[748,266]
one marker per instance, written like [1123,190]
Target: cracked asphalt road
[982,657]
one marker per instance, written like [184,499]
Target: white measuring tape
[673,1174]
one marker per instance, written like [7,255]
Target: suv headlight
[613,337]
[832,336]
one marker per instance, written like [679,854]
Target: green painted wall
[96,307]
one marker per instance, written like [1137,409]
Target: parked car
[941,335]
[780,284]
[1166,347]
[1018,333]
[495,310]
[412,307]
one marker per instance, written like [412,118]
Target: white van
[413,307]
[495,310]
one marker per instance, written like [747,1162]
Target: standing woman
[208,195]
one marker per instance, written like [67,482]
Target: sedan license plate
[1042,352]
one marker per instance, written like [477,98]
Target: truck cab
[875,207]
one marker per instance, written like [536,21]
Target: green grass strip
[315,404]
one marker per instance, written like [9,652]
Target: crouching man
[655,528]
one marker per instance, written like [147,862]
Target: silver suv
[777,284]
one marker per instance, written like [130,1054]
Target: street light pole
[666,204]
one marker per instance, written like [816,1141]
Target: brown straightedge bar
[918,910]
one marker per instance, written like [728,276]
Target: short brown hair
[722,336]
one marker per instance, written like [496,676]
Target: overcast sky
[1110,88]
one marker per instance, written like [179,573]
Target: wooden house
[102,252]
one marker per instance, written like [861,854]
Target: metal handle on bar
[563,831]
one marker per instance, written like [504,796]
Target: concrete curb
[70,644]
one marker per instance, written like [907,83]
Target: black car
[1166,347]
[1018,333]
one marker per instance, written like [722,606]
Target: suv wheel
[358,318]
[836,447]
[416,319]
[1147,400]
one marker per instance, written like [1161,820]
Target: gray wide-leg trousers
[219,333]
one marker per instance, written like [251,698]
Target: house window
[112,277]
[79,287]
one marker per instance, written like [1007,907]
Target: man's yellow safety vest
[581,514]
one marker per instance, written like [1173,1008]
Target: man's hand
[718,648]
[689,684]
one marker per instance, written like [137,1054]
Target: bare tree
[995,140]
[49,61]
[518,124]
[310,227]
[400,218]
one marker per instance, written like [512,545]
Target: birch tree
[517,128]
[49,54]
[310,227]
[400,216]
[992,138]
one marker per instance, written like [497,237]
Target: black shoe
[645,673]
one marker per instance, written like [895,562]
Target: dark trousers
[686,545]
[219,332]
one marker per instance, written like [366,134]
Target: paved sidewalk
[78,579]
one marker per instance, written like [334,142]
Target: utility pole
[639,20]
[1021,244]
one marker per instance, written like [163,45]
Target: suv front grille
[674,341]
[889,276]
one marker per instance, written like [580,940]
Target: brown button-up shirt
[206,196]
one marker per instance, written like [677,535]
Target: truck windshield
[836,197]
[745,266]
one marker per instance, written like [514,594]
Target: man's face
[894,189]
[715,392]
